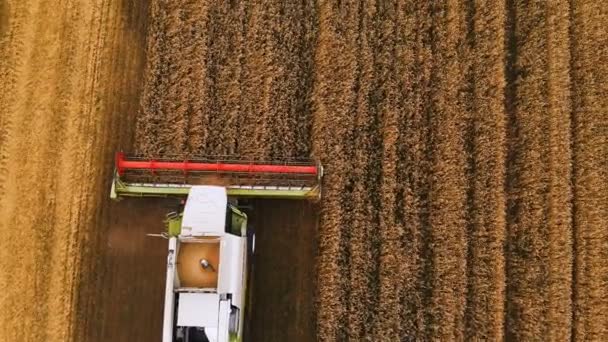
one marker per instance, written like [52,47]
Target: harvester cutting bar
[137,176]
[218,166]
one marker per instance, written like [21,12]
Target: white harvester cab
[206,270]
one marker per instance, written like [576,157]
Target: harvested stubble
[67,72]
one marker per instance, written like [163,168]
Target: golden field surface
[465,148]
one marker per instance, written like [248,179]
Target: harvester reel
[138,176]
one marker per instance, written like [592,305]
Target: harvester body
[206,270]
[209,242]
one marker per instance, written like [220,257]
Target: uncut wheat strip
[447,192]
[308,28]
[230,78]
[360,240]
[197,132]
[487,139]
[333,96]
[173,128]
[223,87]
[278,79]
[272,80]
[413,150]
[285,96]
[527,177]
[151,111]
[218,34]
[397,72]
[590,163]
[558,308]
[370,192]
[361,263]
[386,320]
[257,75]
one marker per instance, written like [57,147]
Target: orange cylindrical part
[122,164]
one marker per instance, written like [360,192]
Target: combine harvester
[210,244]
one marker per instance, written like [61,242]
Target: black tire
[197,335]
[250,276]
